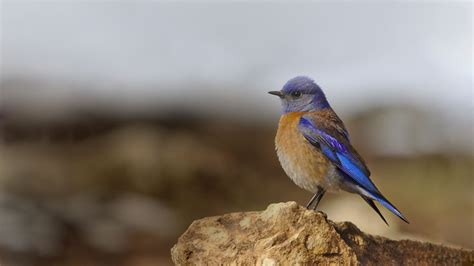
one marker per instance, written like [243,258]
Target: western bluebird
[314,149]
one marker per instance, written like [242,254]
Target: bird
[315,151]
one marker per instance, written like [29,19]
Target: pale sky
[225,56]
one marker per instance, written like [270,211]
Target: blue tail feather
[373,194]
[382,200]
[374,207]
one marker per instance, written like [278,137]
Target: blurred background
[124,121]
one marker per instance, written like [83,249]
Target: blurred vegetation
[104,190]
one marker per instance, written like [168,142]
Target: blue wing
[335,145]
[333,140]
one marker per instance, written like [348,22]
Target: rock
[286,233]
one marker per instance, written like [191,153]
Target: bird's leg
[316,198]
[320,195]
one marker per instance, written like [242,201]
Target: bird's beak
[277,93]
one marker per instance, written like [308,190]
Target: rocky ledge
[286,233]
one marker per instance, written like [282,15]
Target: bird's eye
[296,94]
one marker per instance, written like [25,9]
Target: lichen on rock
[286,233]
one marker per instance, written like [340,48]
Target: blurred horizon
[124,59]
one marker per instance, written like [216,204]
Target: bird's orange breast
[302,162]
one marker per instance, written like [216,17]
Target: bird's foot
[323,214]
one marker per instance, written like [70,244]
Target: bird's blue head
[301,94]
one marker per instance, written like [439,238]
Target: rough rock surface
[288,234]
